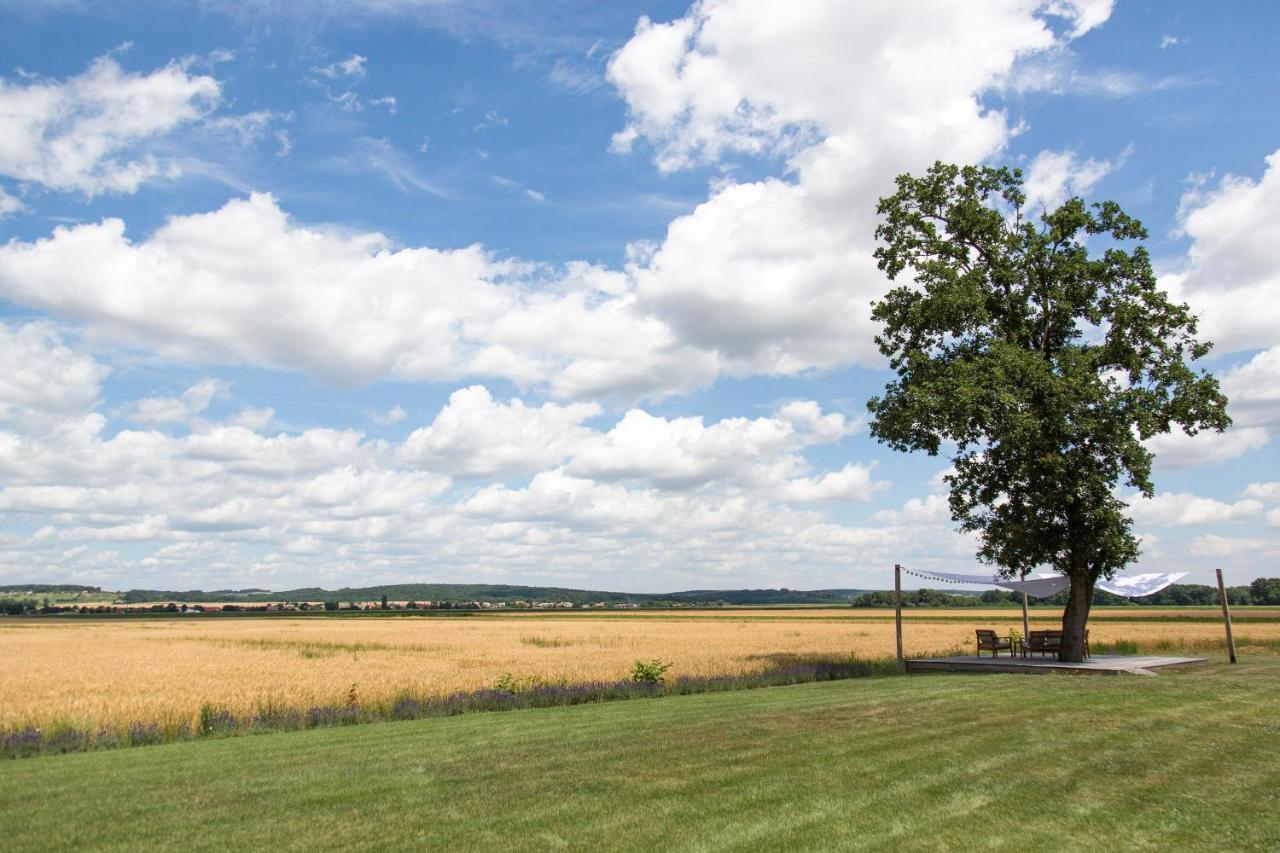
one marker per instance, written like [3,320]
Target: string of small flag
[925,576]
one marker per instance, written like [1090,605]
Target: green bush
[649,672]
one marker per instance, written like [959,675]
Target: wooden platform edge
[926,665]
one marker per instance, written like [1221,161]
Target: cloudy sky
[570,293]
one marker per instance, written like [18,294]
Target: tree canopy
[1038,366]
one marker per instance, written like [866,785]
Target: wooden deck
[1096,665]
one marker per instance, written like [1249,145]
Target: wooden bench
[1046,642]
[1043,642]
[989,642]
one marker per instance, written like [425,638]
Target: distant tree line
[41,588]
[461,594]
[1262,591]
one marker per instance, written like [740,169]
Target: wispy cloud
[492,119]
[507,183]
[391,416]
[379,156]
[348,74]
[574,77]
[1063,75]
[352,66]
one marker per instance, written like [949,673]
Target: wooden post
[1026,620]
[897,613]
[1226,617]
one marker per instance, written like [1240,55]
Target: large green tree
[1035,349]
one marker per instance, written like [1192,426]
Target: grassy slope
[1188,759]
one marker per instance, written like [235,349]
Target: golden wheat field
[109,673]
[1044,615]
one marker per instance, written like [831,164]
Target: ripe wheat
[111,673]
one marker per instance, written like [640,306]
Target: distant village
[31,605]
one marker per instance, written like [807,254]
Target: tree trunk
[1075,618]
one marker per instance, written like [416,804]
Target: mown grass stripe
[1186,760]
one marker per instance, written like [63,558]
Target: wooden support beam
[1226,617]
[897,613]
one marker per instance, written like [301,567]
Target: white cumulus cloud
[684,453]
[1054,175]
[1253,390]
[42,374]
[245,284]
[180,409]
[1186,509]
[88,133]
[853,482]
[766,277]
[1232,273]
[1268,492]
[776,276]
[477,436]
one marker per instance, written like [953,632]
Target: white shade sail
[1136,586]
[1040,584]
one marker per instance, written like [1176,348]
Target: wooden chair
[989,642]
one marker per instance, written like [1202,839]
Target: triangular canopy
[1040,584]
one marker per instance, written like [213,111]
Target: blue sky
[569,293]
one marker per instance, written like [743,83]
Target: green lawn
[1190,759]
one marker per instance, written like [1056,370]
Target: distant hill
[1262,591]
[498,592]
[48,587]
